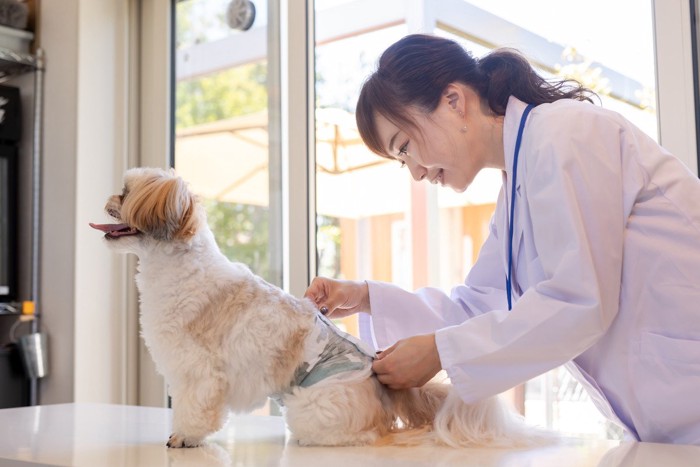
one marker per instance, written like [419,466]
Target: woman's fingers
[318,293]
[409,363]
[326,294]
[383,353]
[384,369]
[339,298]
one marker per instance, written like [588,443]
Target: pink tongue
[109,227]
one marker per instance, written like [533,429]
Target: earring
[463,129]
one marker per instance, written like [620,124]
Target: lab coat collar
[511,122]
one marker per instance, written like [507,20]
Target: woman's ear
[455,97]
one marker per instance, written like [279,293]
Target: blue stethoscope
[512,203]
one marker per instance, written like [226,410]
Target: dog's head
[155,205]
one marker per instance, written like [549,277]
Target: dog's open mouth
[115,230]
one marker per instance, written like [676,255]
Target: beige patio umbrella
[227,160]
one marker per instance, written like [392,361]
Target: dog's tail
[435,414]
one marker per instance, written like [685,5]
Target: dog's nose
[113,212]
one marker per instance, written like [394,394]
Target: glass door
[371,220]
[222,125]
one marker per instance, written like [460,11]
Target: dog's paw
[178,440]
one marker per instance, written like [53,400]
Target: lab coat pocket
[667,376]
[681,351]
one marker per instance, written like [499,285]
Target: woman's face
[450,145]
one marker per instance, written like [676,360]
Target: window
[222,143]
[372,220]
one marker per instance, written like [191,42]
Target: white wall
[674,80]
[84,156]
[59,38]
[101,157]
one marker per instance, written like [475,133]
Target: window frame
[676,95]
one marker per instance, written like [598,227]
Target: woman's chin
[458,188]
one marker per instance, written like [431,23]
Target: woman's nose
[418,172]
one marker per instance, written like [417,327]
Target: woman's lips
[438,178]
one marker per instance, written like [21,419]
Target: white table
[102,435]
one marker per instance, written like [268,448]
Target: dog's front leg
[197,412]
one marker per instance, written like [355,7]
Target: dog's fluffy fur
[225,340]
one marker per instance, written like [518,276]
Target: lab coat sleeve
[573,187]
[397,313]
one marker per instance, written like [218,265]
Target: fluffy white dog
[226,340]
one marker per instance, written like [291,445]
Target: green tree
[199,21]
[229,93]
[328,246]
[242,231]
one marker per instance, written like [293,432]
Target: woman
[593,257]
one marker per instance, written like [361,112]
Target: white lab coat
[606,252]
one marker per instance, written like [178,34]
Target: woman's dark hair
[415,71]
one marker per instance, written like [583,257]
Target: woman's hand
[339,298]
[409,363]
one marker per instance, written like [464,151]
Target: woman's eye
[403,152]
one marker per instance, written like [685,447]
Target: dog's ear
[162,207]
